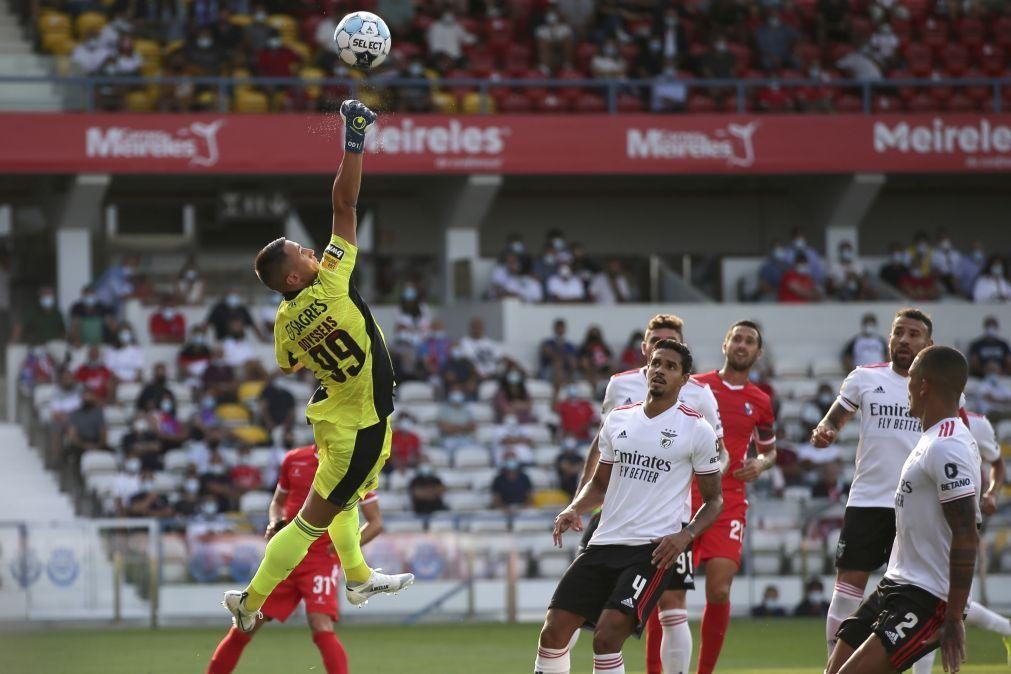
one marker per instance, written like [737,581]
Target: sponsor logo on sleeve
[332,257]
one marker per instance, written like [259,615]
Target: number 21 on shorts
[736,530]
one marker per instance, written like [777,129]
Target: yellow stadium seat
[472,104]
[241,80]
[233,413]
[544,498]
[58,44]
[370,98]
[150,68]
[149,50]
[250,101]
[89,22]
[208,99]
[240,20]
[285,25]
[444,103]
[300,48]
[139,101]
[249,391]
[311,77]
[172,47]
[54,22]
[254,435]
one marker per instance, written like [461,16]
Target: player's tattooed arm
[711,489]
[590,465]
[824,434]
[961,517]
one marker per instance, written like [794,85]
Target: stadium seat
[468,501]
[475,103]
[548,102]
[961,103]
[514,103]
[165,481]
[1004,430]
[992,60]
[971,32]
[482,412]
[58,44]
[177,460]
[905,92]
[884,104]
[438,457]
[471,457]
[487,389]
[518,58]
[700,104]
[955,58]
[88,23]
[628,103]
[118,414]
[590,103]
[250,101]
[903,30]
[98,461]
[52,23]
[935,33]
[919,59]
[1002,31]
[240,20]
[254,502]
[444,102]
[481,479]
[285,25]
[414,391]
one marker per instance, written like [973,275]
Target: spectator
[237,350]
[829,484]
[564,286]
[398,15]
[595,357]
[578,14]
[195,356]
[993,394]
[460,371]
[632,357]
[117,282]
[447,37]
[426,491]
[512,439]
[554,41]
[530,288]
[511,487]
[190,285]
[204,56]
[219,377]
[171,433]
[414,315]
[557,356]
[569,467]
[216,482]
[92,321]
[897,267]
[813,605]
[611,285]
[673,41]
[38,367]
[90,56]
[798,284]
[484,352]
[125,60]
[146,501]
[969,268]
[142,442]
[187,502]
[405,445]
[404,354]
[512,398]
[866,348]
[276,405]
[577,415]
[860,65]
[848,279]
[38,325]
[718,63]
[228,35]
[992,285]
[669,90]
[125,358]
[507,278]
[457,426]
[167,325]
[770,606]
[945,262]
[799,245]
[989,348]
[66,399]
[770,274]
[608,64]
[85,429]
[244,475]
[434,349]
[258,31]
[815,409]
[884,45]
[833,21]
[95,377]
[227,309]
[775,41]
[154,391]
[275,59]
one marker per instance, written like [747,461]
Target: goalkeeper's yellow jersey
[330,330]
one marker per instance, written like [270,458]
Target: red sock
[335,660]
[715,621]
[228,652]
[654,633]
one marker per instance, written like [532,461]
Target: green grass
[752,647]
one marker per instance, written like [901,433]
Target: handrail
[612,88]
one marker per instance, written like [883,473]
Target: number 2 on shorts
[909,621]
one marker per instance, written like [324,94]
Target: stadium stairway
[17,58]
[27,490]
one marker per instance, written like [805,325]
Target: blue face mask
[511,464]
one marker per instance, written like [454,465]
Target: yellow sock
[346,539]
[284,552]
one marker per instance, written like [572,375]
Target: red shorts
[316,580]
[725,538]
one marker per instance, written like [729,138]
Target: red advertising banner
[544,144]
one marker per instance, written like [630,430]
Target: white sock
[981,616]
[925,664]
[676,645]
[846,600]
[574,640]
[551,661]
[608,663]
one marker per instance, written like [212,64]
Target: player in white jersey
[887,434]
[630,387]
[649,453]
[920,603]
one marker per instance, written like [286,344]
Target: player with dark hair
[887,434]
[323,324]
[920,603]
[746,412]
[649,452]
[314,581]
[673,636]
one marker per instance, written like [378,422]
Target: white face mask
[870,328]
[132,465]
[141,427]
[125,336]
[204,42]
[168,313]
[166,406]
[192,485]
[47,301]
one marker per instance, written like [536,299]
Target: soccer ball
[363,40]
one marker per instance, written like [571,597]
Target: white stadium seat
[437,457]
[545,455]
[481,479]
[177,460]
[423,413]
[482,412]
[487,390]
[403,525]
[467,501]
[792,367]
[165,481]
[118,414]
[472,457]
[101,483]
[255,502]
[540,478]
[538,433]
[42,394]
[1004,430]
[823,368]
[538,389]
[128,392]
[414,391]
[442,521]
[98,461]
[114,435]
[455,480]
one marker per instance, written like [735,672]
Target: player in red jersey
[314,580]
[746,412]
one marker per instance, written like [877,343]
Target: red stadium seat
[307,28]
[862,28]
[514,103]
[743,55]
[919,59]
[552,104]
[585,52]
[807,53]
[848,103]
[971,32]
[906,93]
[482,64]
[917,9]
[590,103]
[884,103]
[839,50]
[935,33]
[629,52]
[977,93]
[629,103]
[955,58]
[903,30]
[921,103]
[961,103]
[700,104]
[942,93]
[991,60]
[407,51]
[1002,31]
[519,57]
[570,94]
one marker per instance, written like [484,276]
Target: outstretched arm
[358,119]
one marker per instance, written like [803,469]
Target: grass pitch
[783,646]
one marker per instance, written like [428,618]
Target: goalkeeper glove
[358,119]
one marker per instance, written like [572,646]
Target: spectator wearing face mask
[775,42]
[989,348]
[798,246]
[511,489]
[426,491]
[167,325]
[40,323]
[669,91]
[512,398]
[483,351]
[992,285]
[276,59]
[136,495]
[171,432]
[993,395]
[611,285]
[798,284]
[595,357]
[554,41]
[236,348]
[865,348]
[227,309]
[187,502]
[190,285]
[569,466]
[813,605]
[85,430]
[719,63]
[94,376]
[92,321]
[457,426]
[608,64]
[434,349]
[459,371]
[774,266]
[946,261]
[770,606]
[90,55]
[244,475]
[219,378]
[203,55]
[512,439]
[896,268]
[125,358]
[117,283]
[194,357]
[405,445]
[38,367]
[258,30]
[142,442]
[969,268]
[507,278]
[566,287]
[215,481]
[848,279]
[447,37]
[577,416]
[557,356]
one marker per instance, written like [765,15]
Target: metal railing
[79,93]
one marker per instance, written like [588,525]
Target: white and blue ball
[363,40]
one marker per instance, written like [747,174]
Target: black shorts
[904,617]
[619,577]
[684,566]
[866,539]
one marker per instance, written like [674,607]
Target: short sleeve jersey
[295,479]
[985,437]
[652,464]
[942,467]
[630,387]
[747,415]
[330,330]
